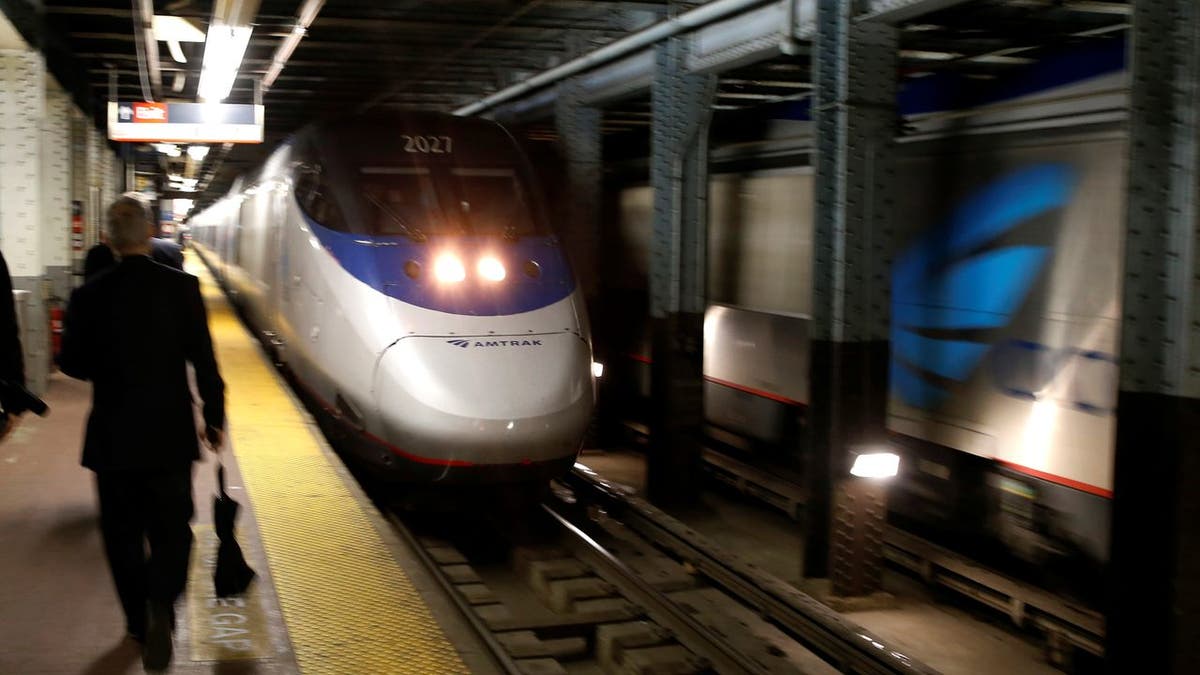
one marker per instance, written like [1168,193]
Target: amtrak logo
[494,343]
[957,282]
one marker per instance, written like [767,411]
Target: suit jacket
[100,257]
[132,332]
[12,359]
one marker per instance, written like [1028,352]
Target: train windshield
[401,200]
[422,201]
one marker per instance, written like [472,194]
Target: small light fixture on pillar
[860,514]
[876,465]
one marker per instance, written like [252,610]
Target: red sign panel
[150,112]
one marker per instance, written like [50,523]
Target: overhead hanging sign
[146,122]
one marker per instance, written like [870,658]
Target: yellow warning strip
[348,605]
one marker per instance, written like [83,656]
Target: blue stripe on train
[378,261]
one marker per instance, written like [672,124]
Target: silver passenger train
[403,270]
[1005,306]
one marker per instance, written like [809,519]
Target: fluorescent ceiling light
[1003,60]
[223,52]
[176,29]
[197,152]
[928,55]
[168,149]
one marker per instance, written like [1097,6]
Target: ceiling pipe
[701,16]
[788,44]
[147,49]
[304,18]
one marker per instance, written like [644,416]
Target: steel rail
[690,633]
[498,653]
[845,645]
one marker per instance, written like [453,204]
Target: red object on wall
[77,226]
[56,329]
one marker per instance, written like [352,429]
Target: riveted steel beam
[578,126]
[1154,603]
[897,11]
[681,110]
[680,106]
[855,119]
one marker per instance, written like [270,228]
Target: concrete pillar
[681,109]
[855,120]
[80,204]
[1154,575]
[56,190]
[22,107]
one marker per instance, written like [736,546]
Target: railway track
[586,584]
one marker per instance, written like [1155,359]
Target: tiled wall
[50,155]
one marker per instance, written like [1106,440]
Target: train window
[491,201]
[315,196]
[400,200]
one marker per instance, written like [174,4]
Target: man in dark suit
[12,358]
[141,434]
[101,257]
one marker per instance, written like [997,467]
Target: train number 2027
[436,145]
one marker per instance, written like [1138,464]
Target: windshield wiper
[410,232]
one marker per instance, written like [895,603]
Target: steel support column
[681,109]
[1154,583]
[578,126]
[855,120]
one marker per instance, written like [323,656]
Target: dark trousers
[136,508]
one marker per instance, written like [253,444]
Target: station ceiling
[441,55]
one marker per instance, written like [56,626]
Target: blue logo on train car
[955,282]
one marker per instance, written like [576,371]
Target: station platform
[336,591]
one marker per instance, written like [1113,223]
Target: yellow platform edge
[348,605]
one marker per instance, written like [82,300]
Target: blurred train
[403,270]
[1005,308]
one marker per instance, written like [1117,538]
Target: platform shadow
[118,659]
[250,667]
[74,525]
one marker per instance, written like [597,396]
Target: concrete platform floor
[59,609]
[953,639]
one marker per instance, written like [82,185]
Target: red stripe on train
[1067,482]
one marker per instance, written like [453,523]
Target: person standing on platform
[101,257]
[132,332]
[12,359]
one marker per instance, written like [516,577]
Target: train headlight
[449,269]
[597,369]
[876,465]
[490,268]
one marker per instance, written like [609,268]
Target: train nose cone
[494,377]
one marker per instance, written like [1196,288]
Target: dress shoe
[156,650]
